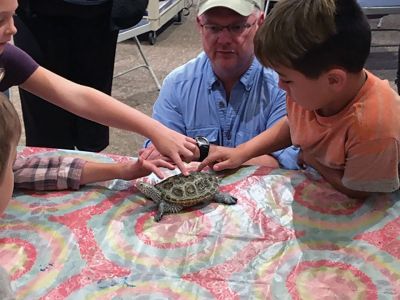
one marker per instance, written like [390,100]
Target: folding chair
[131,33]
[379,9]
[268,5]
[374,9]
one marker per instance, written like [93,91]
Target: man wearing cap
[224,96]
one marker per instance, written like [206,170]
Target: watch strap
[204,147]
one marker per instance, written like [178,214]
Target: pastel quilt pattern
[290,236]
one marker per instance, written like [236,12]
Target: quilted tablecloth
[290,236]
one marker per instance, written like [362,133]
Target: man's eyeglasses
[235,29]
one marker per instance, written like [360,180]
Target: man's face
[230,51]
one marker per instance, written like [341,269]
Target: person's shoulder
[16,55]
[378,91]
[10,50]
[18,65]
[269,79]
[377,109]
[269,75]
[190,70]
[379,85]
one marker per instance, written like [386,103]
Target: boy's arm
[61,173]
[94,171]
[48,173]
[272,139]
[334,177]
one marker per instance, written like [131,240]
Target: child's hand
[151,153]
[175,146]
[221,158]
[142,167]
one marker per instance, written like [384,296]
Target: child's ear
[261,19]
[337,79]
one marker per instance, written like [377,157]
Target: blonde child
[344,119]
[58,172]
[52,173]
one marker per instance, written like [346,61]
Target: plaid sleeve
[48,173]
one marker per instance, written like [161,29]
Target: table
[290,236]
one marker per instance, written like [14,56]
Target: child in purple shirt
[18,68]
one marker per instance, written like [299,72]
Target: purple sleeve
[48,173]
[18,66]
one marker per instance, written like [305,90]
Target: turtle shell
[189,190]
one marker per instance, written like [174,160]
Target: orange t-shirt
[362,140]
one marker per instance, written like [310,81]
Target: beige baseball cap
[242,7]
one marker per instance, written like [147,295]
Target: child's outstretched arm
[94,171]
[101,108]
[272,139]
[62,172]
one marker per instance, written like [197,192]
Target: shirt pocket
[213,134]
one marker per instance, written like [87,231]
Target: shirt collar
[247,78]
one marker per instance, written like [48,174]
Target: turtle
[178,192]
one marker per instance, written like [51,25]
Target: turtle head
[149,191]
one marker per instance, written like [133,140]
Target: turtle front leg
[160,212]
[165,207]
[225,198]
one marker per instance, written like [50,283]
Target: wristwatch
[204,146]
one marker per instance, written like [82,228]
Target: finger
[147,153]
[167,159]
[191,140]
[222,166]
[209,160]
[186,153]
[156,170]
[179,163]
[143,150]
[187,159]
[139,161]
[144,155]
[200,167]
[164,158]
[164,164]
[192,147]
[203,164]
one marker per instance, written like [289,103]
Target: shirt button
[221,104]
[228,135]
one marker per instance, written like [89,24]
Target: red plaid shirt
[48,173]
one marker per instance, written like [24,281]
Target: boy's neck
[354,84]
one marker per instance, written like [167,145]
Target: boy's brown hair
[313,36]
[10,131]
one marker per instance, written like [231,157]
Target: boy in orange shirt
[344,119]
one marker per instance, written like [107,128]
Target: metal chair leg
[145,65]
